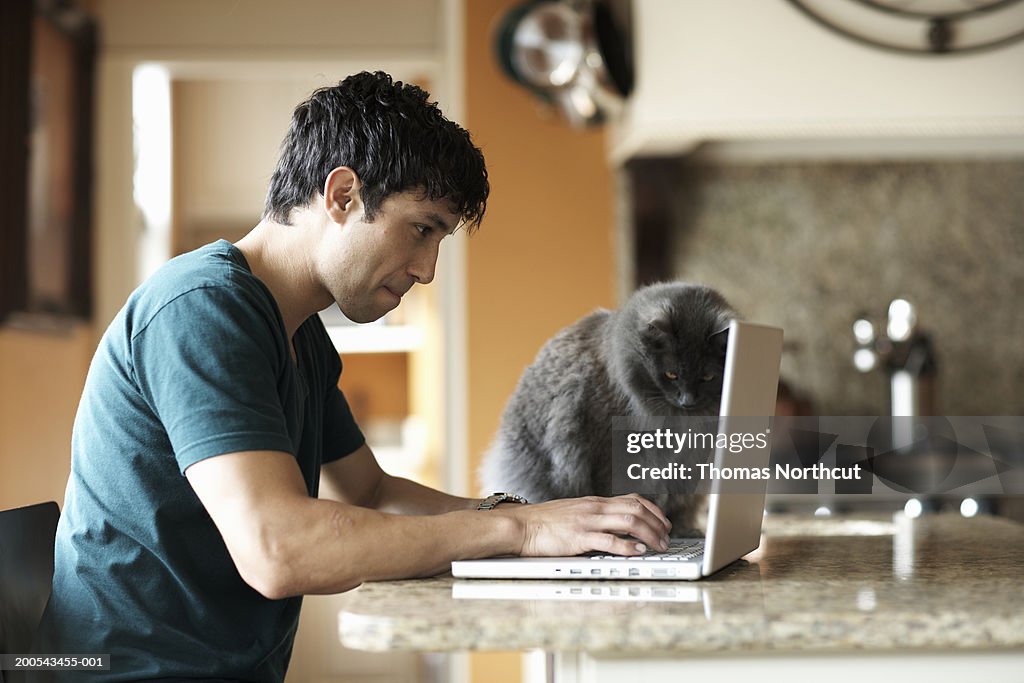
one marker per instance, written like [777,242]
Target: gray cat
[661,354]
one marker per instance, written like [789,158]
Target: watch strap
[495,499]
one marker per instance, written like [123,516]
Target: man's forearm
[322,546]
[284,542]
[405,497]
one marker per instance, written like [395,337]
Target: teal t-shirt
[197,364]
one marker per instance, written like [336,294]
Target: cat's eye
[707,378]
[672,375]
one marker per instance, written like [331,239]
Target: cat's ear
[720,340]
[659,327]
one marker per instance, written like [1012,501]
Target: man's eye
[423,230]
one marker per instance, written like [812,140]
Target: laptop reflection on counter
[634,591]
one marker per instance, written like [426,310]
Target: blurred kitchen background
[812,177]
[812,245]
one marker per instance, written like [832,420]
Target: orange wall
[41,379]
[542,258]
[375,385]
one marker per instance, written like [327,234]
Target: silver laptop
[749,390]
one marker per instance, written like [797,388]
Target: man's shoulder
[217,264]
[217,271]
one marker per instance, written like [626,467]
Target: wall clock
[936,27]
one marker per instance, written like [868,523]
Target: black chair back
[26,572]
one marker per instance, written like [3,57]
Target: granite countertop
[814,585]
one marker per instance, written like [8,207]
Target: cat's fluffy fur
[555,438]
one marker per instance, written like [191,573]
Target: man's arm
[285,543]
[358,479]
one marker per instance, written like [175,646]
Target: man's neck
[279,256]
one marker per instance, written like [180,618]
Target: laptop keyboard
[679,550]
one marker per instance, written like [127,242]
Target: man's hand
[579,525]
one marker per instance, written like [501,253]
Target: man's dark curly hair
[391,136]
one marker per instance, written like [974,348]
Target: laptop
[749,389]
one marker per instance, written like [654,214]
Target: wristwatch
[495,499]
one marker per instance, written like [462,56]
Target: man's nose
[422,268]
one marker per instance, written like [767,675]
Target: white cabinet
[755,70]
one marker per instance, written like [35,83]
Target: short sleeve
[342,435]
[210,364]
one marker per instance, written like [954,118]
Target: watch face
[921,26]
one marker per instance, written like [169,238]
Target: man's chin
[368,316]
[363,318]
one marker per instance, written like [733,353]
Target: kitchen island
[938,597]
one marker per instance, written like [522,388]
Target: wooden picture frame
[48,54]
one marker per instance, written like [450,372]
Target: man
[191,524]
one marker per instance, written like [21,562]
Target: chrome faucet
[905,354]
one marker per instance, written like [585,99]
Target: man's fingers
[655,510]
[614,545]
[640,530]
[643,509]
[634,516]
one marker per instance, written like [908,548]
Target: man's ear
[341,194]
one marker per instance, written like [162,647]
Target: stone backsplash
[809,246]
